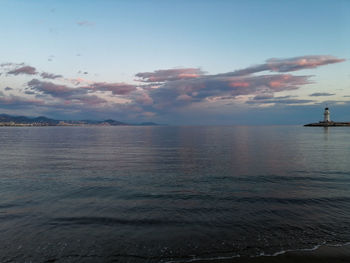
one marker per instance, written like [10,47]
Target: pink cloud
[299,63]
[169,75]
[239,84]
[287,65]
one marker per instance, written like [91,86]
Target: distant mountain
[113,122]
[8,120]
[4,118]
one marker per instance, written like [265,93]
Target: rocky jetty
[328,124]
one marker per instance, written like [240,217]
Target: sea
[171,194]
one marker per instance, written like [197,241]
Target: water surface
[160,194]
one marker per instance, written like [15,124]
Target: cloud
[86,100]
[298,63]
[66,97]
[142,98]
[171,91]
[46,75]
[263,97]
[288,64]
[169,75]
[55,90]
[8,88]
[10,64]
[29,92]
[18,102]
[214,88]
[179,87]
[319,94]
[28,70]
[115,88]
[78,95]
[288,100]
[85,23]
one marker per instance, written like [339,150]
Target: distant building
[326,115]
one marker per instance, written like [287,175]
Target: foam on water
[262,254]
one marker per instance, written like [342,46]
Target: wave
[250,199]
[278,253]
[313,177]
[112,221]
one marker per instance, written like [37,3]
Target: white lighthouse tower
[326,115]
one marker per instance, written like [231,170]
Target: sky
[183,62]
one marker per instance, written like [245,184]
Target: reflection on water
[150,194]
[326,133]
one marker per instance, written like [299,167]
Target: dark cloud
[8,88]
[29,92]
[66,92]
[169,75]
[55,90]
[46,75]
[28,70]
[69,97]
[263,97]
[321,94]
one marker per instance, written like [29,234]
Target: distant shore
[323,254]
[23,121]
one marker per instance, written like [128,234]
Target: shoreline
[320,254]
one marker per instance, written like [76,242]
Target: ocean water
[170,194]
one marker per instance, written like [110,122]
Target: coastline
[319,254]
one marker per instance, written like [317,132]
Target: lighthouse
[326,115]
[327,121]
